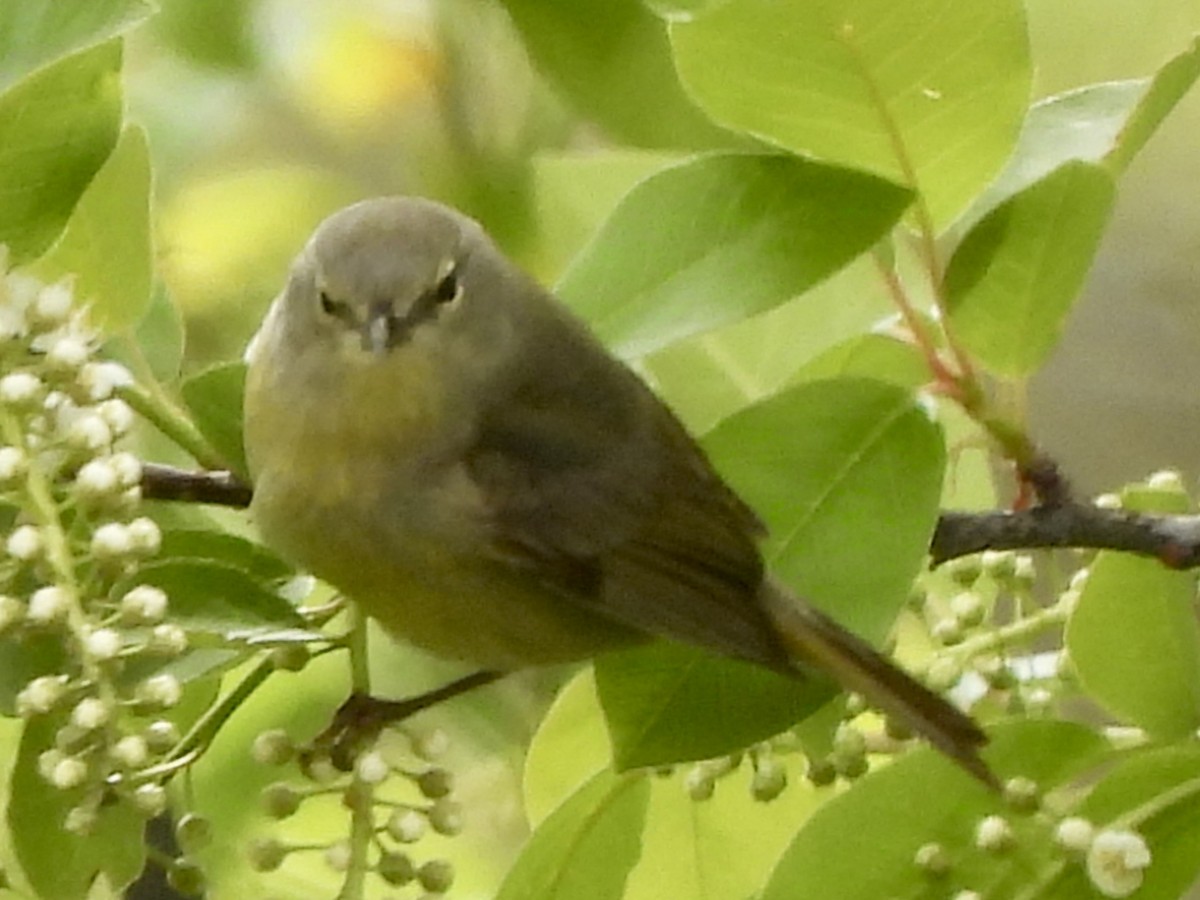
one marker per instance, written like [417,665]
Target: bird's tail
[814,639]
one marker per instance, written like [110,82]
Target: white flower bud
[406,826]
[81,821]
[128,468]
[70,772]
[145,536]
[994,834]
[118,415]
[1116,861]
[41,695]
[1074,834]
[25,543]
[90,713]
[144,605]
[13,465]
[67,353]
[162,691]
[272,747]
[168,639]
[130,752]
[47,761]
[49,605]
[1107,501]
[1166,480]
[97,480]
[162,735]
[103,644]
[53,304]
[372,768]
[100,380]
[111,541]
[13,323]
[150,800]
[337,856]
[20,389]
[89,433]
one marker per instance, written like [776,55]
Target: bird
[438,437]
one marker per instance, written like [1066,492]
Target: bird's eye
[329,306]
[448,288]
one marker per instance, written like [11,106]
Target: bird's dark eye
[447,288]
[329,306]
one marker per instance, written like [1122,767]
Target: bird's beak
[379,330]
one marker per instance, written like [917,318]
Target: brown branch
[1173,540]
[168,483]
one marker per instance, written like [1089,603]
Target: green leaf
[847,476]
[23,658]
[160,336]
[860,845]
[1157,793]
[106,245]
[35,32]
[570,746]
[586,847]
[215,398]
[874,356]
[1104,123]
[1134,643]
[58,864]
[216,598]
[668,703]
[719,238]
[931,96]
[57,128]
[721,848]
[612,61]
[1013,279]
[226,549]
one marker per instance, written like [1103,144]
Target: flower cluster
[397,823]
[73,541]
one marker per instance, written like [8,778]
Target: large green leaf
[215,598]
[930,95]
[1102,123]
[847,474]
[1014,278]
[612,61]
[57,128]
[586,847]
[58,864]
[670,703]
[1134,643]
[35,32]
[215,398]
[861,845]
[720,238]
[106,245]
[1156,793]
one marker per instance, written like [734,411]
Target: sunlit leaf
[847,474]
[1012,281]
[215,398]
[36,32]
[670,703]
[57,863]
[57,128]
[586,847]
[106,245]
[719,238]
[612,61]
[932,98]
[1135,646]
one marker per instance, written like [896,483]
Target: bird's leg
[359,720]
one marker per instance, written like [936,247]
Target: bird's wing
[594,486]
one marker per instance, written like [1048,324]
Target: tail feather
[812,638]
